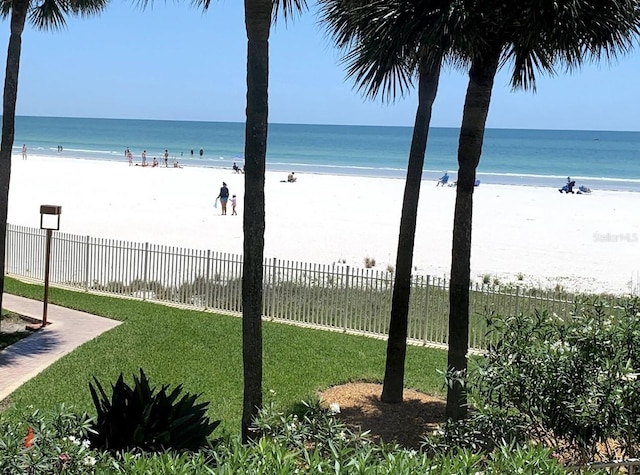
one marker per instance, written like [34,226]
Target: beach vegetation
[43,16]
[390,268]
[486,279]
[520,276]
[369,262]
[528,38]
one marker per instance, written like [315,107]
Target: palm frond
[85,8]
[382,41]
[289,9]
[49,15]
[5,8]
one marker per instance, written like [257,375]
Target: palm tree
[258,17]
[533,36]
[389,42]
[47,14]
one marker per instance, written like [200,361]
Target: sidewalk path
[68,329]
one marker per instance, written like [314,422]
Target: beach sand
[522,235]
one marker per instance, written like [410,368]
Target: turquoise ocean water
[599,160]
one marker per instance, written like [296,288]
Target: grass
[203,351]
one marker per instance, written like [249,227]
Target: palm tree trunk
[18,16]
[476,108]
[393,386]
[258,23]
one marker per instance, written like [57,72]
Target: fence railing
[330,296]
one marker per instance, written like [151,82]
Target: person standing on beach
[24,151]
[130,158]
[166,158]
[224,197]
[144,158]
[234,202]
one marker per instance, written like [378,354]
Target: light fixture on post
[50,221]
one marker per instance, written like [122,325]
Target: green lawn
[203,351]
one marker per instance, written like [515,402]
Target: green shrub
[47,443]
[140,417]
[369,262]
[311,441]
[574,382]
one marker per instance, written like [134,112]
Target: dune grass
[203,351]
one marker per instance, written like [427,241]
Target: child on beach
[233,205]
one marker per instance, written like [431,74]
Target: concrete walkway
[67,330]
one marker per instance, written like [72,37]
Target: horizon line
[316,124]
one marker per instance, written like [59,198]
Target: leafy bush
[47,443]
[140,417]
[312,441]
[574,382]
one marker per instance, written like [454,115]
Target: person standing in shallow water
[224,197]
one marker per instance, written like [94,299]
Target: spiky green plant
[141,417]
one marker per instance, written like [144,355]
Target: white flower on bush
[334,408]
[72,439]
[342,435]
[89,461]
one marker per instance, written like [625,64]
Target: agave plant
[142,417]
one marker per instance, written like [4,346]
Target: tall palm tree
[258,18]
[389,42]
[532,35]
[44,15]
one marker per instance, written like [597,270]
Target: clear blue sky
[172,61]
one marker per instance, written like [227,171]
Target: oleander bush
[572,383]
[145,418]
[48,443]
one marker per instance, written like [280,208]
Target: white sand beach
[580,242]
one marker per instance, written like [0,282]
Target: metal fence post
[207,281]
[426,311]
[87,256]
[346,300]
[146,270]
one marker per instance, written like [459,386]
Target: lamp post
[50,221]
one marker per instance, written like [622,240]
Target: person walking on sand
[224,197]
[24,151]
[234,202]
